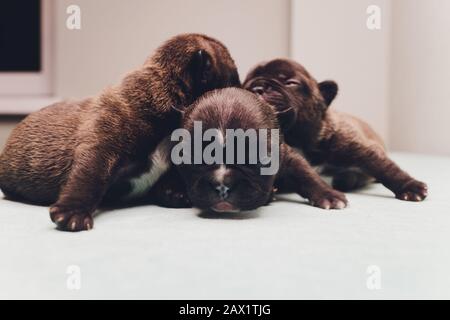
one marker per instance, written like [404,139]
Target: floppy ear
[201,65]
[329,90]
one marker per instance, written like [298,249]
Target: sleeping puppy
[230,185]
[352,152]
[71,153]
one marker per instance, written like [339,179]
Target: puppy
[69,154]
[352,152]
[232,186]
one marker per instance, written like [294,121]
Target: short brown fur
[353,153]
[70,153]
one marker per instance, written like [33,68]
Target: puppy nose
[258,90]
[223,190]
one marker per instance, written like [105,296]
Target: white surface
[286,250]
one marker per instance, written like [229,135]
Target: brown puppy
[230,186]
[70,153]
[351,149]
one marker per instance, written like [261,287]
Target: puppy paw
[413,191]
[71,219]
[174,199]
[329,200]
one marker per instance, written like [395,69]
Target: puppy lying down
[239,179]
[71,154]
[347,147]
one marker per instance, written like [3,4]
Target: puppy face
[228,187]
[288,87]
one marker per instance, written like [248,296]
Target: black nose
[258,90]
[223,191]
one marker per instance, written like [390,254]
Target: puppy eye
[292,83]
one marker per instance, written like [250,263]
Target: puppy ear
[201,65]
[329,90]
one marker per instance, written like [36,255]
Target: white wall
[396,78]
[331,39]
[116,35]
[420,108]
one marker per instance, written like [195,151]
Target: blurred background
[395,76]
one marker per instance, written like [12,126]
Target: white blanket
[379,247]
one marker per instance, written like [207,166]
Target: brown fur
[346,144]
[70,153]
[234,108]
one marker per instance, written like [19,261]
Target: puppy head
[228,186]
[197,63]
[294,93]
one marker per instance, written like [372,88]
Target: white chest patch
[159,164]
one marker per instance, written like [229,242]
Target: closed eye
[292,83]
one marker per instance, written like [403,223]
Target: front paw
[174,199]
[331,199]
[71,218]
[413,191]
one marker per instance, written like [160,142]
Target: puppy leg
[86,184]
[350,179]
[170,191]
[374,161]
[297,175]
[347,179]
